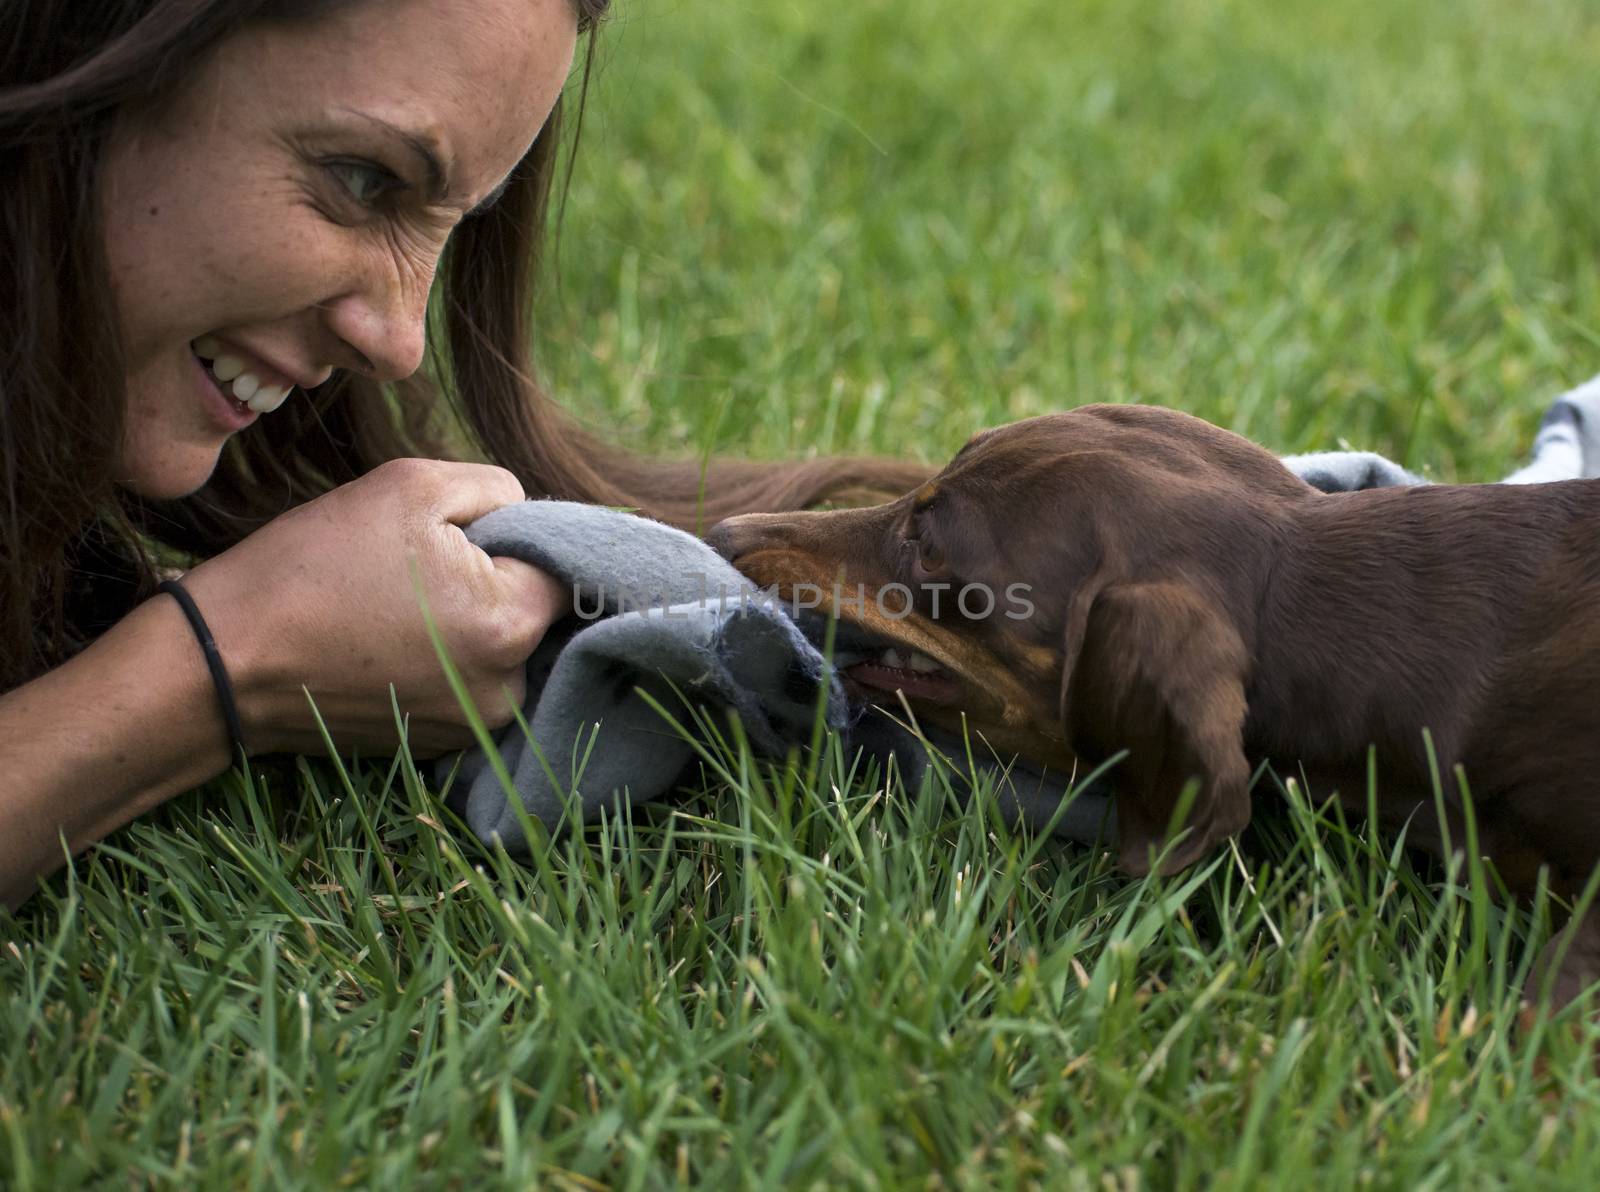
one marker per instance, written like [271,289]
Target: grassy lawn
[801,228]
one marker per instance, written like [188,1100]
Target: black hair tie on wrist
[219,673]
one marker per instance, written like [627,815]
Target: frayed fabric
[670,628]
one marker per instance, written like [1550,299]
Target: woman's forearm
[124,726]
[322,600]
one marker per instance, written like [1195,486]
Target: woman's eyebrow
[423,146]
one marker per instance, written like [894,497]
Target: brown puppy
[1137,579]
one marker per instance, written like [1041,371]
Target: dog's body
[1200,607]
[1470,611]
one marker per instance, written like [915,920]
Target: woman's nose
[384,323]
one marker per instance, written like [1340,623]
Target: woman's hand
[326,599]
[323,598]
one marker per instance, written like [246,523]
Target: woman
[227,218]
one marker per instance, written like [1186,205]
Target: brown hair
[68,538]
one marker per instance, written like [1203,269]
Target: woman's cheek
[294,262]
[417,249]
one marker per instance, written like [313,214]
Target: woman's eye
[367,182]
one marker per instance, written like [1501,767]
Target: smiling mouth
[912,672]
[221,386]
[236,380]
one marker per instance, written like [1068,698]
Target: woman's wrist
[119,729]
[178,696]
[215,666]
[252,665]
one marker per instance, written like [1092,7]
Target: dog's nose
[735,537]
[725,538]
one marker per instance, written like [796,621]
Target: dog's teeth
[919,661]
[891,658]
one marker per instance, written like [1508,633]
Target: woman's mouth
[235,379]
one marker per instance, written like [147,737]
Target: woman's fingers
[472,490]
[544,597]
[343,620]
[460,493]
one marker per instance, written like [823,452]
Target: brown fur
[1201,607]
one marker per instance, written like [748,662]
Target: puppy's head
[1078,583]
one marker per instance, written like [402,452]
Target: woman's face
[284,215]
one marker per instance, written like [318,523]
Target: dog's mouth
[910,671]
[871,665]
[951,677]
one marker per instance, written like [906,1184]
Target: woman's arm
[121,728]
[323,599]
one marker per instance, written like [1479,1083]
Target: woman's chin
[168,475]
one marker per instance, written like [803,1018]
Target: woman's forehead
[466,83]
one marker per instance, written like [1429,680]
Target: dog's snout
[728,538]
[735,538]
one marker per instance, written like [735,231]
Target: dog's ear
[1157,669]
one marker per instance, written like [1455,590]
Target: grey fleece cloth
[660,615]
[656,610]
[1567,446]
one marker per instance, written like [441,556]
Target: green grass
[877,227]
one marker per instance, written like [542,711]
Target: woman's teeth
[245,387]
[227,367]
[267,400]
